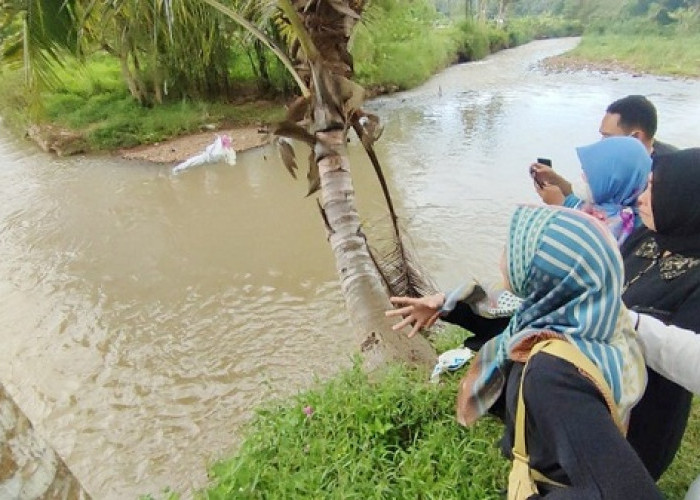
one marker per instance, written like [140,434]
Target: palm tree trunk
[365,296]
[129,77]
[29,468]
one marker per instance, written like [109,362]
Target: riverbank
[89,109]
[567,63]
[180,148]
[649,54]
[246,137]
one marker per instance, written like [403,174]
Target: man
[633,116]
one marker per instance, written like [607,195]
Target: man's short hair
[636,111]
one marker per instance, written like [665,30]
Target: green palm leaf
[43,30]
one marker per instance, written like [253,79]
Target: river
[143,316]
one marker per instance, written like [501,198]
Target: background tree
[175,48]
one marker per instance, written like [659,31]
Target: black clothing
[484,329]
[661,148]
[659,420]
[666,285]
[671,292]
[571,437]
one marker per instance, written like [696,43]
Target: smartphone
[543,161]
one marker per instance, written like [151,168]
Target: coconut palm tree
[165,47]
[318,32]
[34,33]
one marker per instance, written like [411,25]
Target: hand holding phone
[533,171]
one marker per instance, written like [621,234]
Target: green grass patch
[651,53]
[389,436]
[404,64]
[402,44]
[113,119]
[524,29]
[392,436]
[92,99]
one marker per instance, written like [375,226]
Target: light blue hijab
[617,170]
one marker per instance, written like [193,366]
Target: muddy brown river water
[144,315]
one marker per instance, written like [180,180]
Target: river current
[144,315]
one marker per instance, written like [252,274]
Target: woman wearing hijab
[614,174]
[566,267]
[662,269]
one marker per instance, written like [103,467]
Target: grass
[648,53]
[390,437]
[114,120]
[401,44]
[393,437]
[92,99]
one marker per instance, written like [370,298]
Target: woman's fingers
[405,301]
[406,321]
[416,328]
[431,321]
[415,311]
[403,311]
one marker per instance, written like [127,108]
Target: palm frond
[281,55]
[396,261]
[47,29]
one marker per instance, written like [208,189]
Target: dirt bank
[180,148]
[569,64]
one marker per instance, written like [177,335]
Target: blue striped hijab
[568,270]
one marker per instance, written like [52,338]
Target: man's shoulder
[662,148]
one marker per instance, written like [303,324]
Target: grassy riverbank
[655,54]
[91,101]
[643,37]
[393,438]
[399,47]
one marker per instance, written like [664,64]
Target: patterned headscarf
[567,268]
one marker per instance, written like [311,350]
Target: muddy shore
[181,148]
